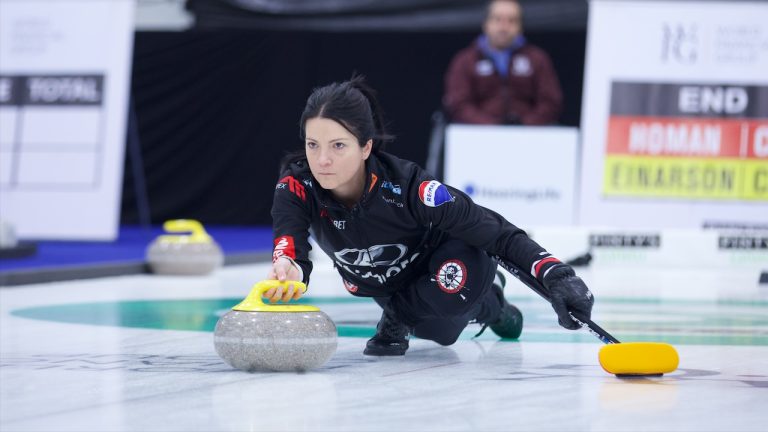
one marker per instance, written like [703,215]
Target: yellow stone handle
[197,233]
[255,303]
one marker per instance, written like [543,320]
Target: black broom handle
[539,289]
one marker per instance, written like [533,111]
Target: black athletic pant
[454,290]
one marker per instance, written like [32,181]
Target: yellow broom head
[638,358]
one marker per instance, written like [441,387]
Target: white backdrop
[64,81]
[525,173]
[675,114]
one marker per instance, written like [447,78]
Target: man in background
[500,78]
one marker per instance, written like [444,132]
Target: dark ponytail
[380,136]
[352,104]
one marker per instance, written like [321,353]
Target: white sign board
[525,173]
[664,248]
[64,81]
[675,115]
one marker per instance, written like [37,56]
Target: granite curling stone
[195,253]
[254,336]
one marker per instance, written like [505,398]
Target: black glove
[568,293]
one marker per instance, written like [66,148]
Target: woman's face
[335,157]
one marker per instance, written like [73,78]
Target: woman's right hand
[283,269]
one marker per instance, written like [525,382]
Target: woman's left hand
[568,293]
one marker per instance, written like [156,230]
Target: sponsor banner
[525,173]
[64,80]
[715,100]
[688,137]
[18,91]
[625,240]
[743,241]
[668,248]
[669,177]
[675,118]
[662,142]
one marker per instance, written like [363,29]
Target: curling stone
[195,253]
[7,235]
[254,336]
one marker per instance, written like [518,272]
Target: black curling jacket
[403,214]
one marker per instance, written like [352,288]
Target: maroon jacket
[475,93]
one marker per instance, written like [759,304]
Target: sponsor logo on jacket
[521,65]
[374,256]
[393,201]
[433,193]
[350,286]
[339,224]
[284,247]
[392,187]
[484,67]
[451,276]
[378,262]
[294,186]
[392,194]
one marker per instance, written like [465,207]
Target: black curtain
[378,15]
[217,109]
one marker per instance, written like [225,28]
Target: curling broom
[630,359]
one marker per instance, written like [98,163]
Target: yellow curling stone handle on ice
[255,303]
[197,233]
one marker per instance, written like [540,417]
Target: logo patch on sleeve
[434,194]
[451,276]
[350,286]
[284,247]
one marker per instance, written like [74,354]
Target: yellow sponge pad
[638,358]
